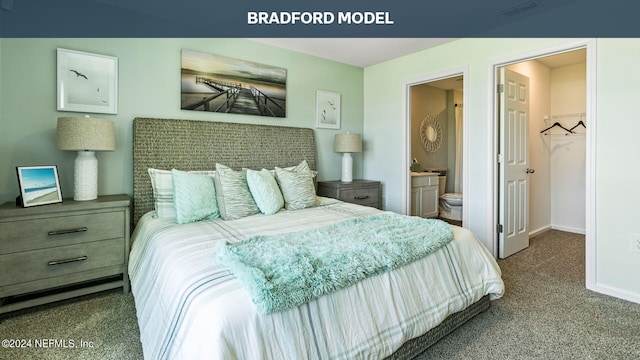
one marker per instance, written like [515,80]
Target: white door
[514,160]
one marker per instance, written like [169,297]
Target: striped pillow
[162,185]
[232,191]
[297,186]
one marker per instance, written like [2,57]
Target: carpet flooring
[546,313]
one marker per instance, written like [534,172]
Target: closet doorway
[435,123]
[550,145]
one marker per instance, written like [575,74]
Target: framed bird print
[87,82]
[327,110]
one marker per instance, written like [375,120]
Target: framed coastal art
[327,109]
[39,185]
[87,82]
[220,84]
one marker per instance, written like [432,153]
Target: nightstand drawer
[63,260]
[362,196]
[55,231]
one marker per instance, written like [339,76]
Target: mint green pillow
[265,191]
[194,196]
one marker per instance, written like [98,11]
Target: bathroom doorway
[554,149]
[435,147]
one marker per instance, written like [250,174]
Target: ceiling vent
[520,8]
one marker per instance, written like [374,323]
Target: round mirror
[431,133]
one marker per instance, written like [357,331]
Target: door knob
[530,171]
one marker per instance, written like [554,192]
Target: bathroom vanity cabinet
[424,195]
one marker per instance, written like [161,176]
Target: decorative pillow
[232,191]
[194,196]
[265,191]
[162,184]
[297,186]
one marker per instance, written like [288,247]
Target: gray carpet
[546,313]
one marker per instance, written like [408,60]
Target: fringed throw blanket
[286,270]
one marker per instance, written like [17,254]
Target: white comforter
[190,307]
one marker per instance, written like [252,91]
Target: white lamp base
[85,182]
[347,168]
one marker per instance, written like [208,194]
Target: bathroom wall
[428,100]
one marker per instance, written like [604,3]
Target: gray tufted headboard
[199,145]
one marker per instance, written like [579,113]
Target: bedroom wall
[616,198]
[149,86]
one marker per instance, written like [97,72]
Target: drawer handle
[361,197]
[67,231]
[65,261]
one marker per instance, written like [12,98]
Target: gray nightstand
[361,192]
[58,251]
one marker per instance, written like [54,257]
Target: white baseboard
[569,229]
[617,293]
[539,231]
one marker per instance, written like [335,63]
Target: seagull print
[79,74]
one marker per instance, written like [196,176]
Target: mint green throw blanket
[286,270]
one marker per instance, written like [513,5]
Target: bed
[190,305]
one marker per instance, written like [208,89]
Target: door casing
[590,178]
[406,133]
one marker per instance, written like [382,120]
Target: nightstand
[58,251]
[361,192]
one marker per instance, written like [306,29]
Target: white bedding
[190,307]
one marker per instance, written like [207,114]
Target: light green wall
[149,86]
[616,171]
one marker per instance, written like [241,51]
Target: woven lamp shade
[78,134]
[347,143]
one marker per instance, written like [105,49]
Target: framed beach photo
[327,109]
[39,185]
[87,82]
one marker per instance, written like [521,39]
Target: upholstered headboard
[199,145]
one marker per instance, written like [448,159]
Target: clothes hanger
[559,125]
[578,124]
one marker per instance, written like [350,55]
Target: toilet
[450,203]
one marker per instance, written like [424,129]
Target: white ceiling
[361,52]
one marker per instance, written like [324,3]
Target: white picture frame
[39,185]
[327,109]
[87,82]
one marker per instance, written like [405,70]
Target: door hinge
[500,88]
[499,228]
[500,158]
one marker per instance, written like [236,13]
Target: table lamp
[347,143]
[85,135]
